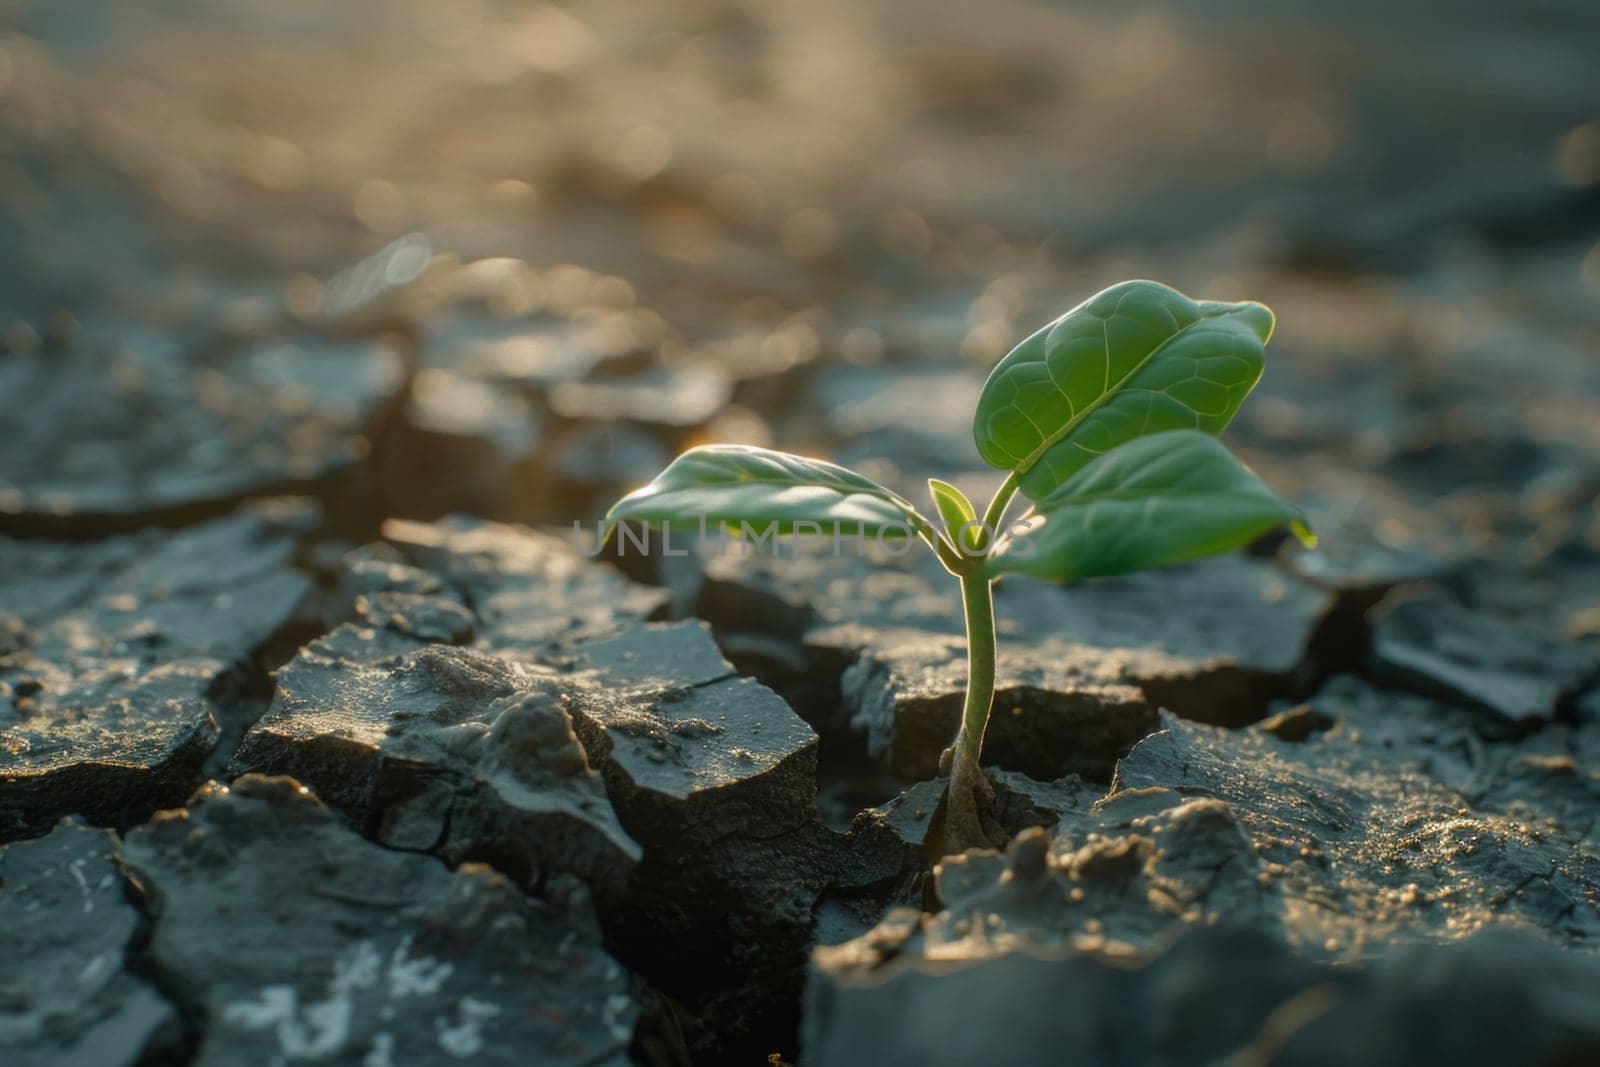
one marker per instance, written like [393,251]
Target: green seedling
[1105,420]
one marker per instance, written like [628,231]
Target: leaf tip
[613,519]
[1303,533]
[1258,318]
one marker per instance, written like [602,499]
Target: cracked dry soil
[320,742]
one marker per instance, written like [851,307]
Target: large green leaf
[726,485]
[1135,359]
[1160,499]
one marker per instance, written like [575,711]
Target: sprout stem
[952,560]
[997,505]
[977,600]
[962,826]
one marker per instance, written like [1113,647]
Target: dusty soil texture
[327,735]
[293,938]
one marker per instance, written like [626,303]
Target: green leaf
[723,486]
[1135,359]
[960,518]
[1156,500]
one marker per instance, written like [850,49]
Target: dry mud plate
[326,739]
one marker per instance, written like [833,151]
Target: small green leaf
[960,517]
[1135,359]
[1156,500]
[719,487]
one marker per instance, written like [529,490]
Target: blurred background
[509,257]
